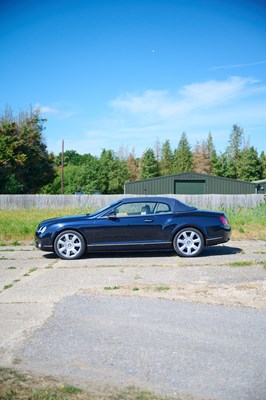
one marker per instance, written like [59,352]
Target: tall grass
[248,223]
[19,225]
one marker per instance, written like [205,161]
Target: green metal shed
[190,183]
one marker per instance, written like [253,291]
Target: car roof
[174,204]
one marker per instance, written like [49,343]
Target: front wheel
[69,245]
[188,242]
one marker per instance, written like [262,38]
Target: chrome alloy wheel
[189,242]
[69,245]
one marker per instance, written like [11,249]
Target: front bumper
[43,244]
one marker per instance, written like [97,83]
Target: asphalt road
[193,328]
[171,348]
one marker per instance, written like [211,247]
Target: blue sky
[112,73]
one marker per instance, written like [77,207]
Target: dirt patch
[252,294]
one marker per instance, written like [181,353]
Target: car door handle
[148,220]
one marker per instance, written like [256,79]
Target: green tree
[83,177]
[25,164]
[211,153]
[148,165]
[112,173]
[70,157]
[183,157]
[221,167]
[263,165]
[249,165]
[234,151]
[166,162]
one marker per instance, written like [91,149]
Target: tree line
[27,167]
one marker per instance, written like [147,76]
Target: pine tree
[211,154]
[249,165]
[234,150]
[221,167]
[263,165]
[183,157]
[166,163]
[148,165]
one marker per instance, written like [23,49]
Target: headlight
[42,229]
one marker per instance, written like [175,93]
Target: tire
[188,242]
[69,245]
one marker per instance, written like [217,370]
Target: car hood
[61,220]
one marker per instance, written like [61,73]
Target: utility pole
[62,169]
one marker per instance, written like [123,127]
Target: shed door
[190,186]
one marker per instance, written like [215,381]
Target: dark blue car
[137,223]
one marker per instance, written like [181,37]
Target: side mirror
[111,215]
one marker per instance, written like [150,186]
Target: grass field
[18,226]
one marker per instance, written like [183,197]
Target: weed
[16,243]
[30,271]
[70,389]
[161,288]
[17,361]
[112,287]
[8,286]
[135,289]
[12,267]
[263,263]
[18,386]
[244,263]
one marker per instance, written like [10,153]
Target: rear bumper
[223,236]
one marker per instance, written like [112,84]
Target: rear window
[162,208]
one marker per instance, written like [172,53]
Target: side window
[132,209]
[162,208]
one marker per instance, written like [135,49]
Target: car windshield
[97,212]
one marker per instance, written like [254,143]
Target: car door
[130,225]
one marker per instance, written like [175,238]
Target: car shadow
[207,252]
[220,251]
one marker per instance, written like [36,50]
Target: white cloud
[45,109]
[137,119]
[161,104]
[59,109]
[231,66]
[149,101]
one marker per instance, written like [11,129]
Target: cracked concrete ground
[31,282]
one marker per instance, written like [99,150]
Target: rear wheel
[188,242]
[69,245]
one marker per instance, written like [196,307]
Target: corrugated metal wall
[209,184]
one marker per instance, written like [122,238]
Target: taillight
[223,220]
